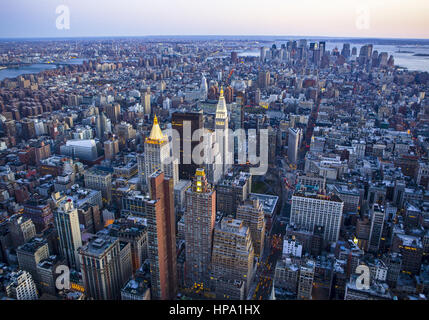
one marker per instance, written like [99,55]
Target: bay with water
[32,69]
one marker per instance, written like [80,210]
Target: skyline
[332,18]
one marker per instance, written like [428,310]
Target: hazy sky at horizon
[342,18]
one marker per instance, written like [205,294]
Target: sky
[332,18]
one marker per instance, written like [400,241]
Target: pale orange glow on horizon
[335,18]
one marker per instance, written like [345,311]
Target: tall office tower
[204,90]
[161,235]
[232,259]
[316,56]
[322,47]
[158,155]
[263,53]
[370,49]
[182,121]
[310,210]
[222,134]
[294,140]
[103,125]
[264,79]
[134,232]
[377,223]
[67,225]
[200,218]
[21,286]
[214,167]
[146,103]
[345,52]
[105,265]
[30,254]
[232,191]
[253,216]
[305,281]
[99,180]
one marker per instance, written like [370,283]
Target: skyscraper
[222,134]
[203,89]
[103,125]
[310,210]
[158,154]
[146,103]
[293,144]
[377,223]
[67,225]
[162,237]
[180,122]
[264,79]
[232,259]
[200,218]
[103,268]
[253,216]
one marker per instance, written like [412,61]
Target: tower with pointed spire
[222,136]
[157,155]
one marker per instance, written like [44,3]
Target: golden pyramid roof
[156,134]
